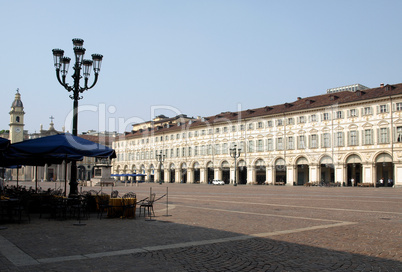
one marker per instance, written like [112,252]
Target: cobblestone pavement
[221,228]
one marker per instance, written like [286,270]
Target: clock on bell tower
[17,119]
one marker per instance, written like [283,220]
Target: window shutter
[378,136]
[388,136]
[322,140]
[348,138]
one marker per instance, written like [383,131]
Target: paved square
[222,228]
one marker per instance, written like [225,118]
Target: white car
[218,182]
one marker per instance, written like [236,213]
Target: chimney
[382,85]
[299,98]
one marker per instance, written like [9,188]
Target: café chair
[148,204]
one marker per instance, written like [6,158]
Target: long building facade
[345,138]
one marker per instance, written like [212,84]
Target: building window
[260,146]
[279,143]
[177,152]
[279,122]
[302,142]
[241,127]
[367,136]
[269,123]
[367,111]
[225,148]
[183,151]
[339,114]
[339,139]
[313,118]
[210,131]
[177,136]
[196,151]
[190,134]
[302,119]
[291,144]
[325,116]
[250,126]
[399,106]
[209,149]
[326,140]
[203,150]
[291,121]
[260,125]
[217,130]
[313,141]
[353,140]
[270,144]
[225,129]
[196,133]
[189,151]
[353,113]
[203,132]
[398,134]
[383,109]
[242,146]
[383,137]
[217,149]
[250,146]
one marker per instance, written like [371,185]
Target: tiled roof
[308,103]
[104,140]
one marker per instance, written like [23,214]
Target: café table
[117,205]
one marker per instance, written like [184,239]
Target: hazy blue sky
[193,57]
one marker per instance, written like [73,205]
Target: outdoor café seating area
[17,204]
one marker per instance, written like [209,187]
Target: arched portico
[280,171]
[210,172]
[183,173]
[327,170]
[353,170]
[242,168]
[225,172]
[260,172]
[172,172]
[302,171]
[384,168]
[196,173]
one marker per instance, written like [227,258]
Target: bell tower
[17,119]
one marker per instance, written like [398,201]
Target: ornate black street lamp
[61,64]
[161,159]
[235,153]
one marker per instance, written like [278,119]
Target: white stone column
[339,173]
[177,173]
[314,172]
[45,168]
[203,176]
[251,175]
[397,174]
[368,173]
[269,174]
[190,175]
[217,173]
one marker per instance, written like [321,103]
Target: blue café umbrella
[61,145]
[4,143]
[55,149]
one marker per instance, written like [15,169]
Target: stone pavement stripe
[171,246]
[304,207]
[280,232]
[262,214]
[14,254]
